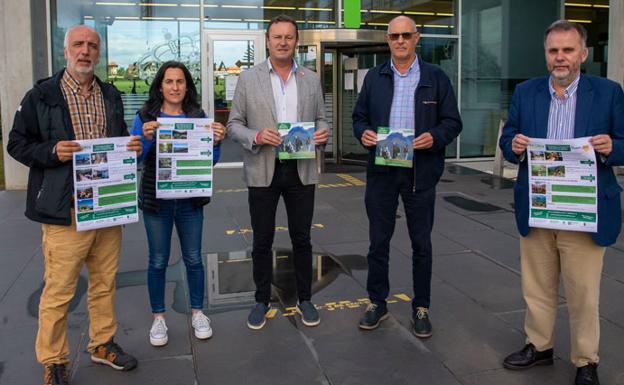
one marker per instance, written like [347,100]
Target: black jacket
[41,121]
[435,112]
[147,189]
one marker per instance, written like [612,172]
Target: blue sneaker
[309,314]
[257,316]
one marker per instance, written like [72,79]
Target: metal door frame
[209,36]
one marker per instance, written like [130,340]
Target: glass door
[354,64]
[227,54]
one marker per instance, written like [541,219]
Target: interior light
[274,7]
[315,9]
[112,3]
[239,6]
[419,13]
[158,5]
[445,14]
[580,21]
[578,5]
[383,11]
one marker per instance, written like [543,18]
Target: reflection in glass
[256,14]
[431,16]
[136,40]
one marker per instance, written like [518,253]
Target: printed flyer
[105,184]
[297,141]
[184,158]
[563,185]
[394,147]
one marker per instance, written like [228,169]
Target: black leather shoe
[527,358]
[587,375]
[373,316]
[421,325]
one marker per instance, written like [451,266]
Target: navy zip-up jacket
[435,110]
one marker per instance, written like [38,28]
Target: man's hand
[519,144]
[268,136]
[424,141]
[320,137]
[65,150]
[602,144]
[135,145]
[149,128]
[369,138]
[218,131]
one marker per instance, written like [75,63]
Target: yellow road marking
[343,305]
[316,226]
[403,297]
[351,179]
[271,313]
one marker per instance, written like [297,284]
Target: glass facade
[485,46]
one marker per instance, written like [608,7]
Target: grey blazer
[253,109]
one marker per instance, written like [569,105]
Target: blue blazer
[599,110]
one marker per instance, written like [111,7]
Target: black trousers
[382,199]
[299,201]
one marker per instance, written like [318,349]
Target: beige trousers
[545,256]
[65,251]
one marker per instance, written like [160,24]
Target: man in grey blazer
[278,91]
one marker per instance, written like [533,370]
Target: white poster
[361,74]
[348,81]
[230,86]
[184,158]
[563,184]
[105,183]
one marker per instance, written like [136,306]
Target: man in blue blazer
[565,105]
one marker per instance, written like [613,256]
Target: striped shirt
[402,110]
[87,112]
[562,111]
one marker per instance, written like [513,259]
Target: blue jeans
[188,221]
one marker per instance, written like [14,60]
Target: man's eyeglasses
[404,35]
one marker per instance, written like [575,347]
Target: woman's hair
[154,103]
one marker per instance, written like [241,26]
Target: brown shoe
[113,355]
[55,374]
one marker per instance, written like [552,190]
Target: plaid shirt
[562,113]
[87,112]
[402,111]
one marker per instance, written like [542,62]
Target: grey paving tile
[236,355]
[494,288]
[164,371]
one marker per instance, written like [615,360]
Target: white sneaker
[158,332]
[201,324]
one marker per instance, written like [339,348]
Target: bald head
[402,19]
[402,38]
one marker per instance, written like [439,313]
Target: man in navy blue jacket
[565,105]
[404,93]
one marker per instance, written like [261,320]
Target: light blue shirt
[402,110]
[561,116]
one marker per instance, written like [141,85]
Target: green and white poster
[105,184]
[394,147]
[184,158]
[563,184]
[297,141]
